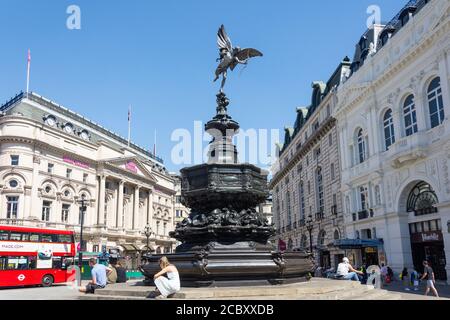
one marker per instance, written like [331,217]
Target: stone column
[135,221]
[344,150]
[444,74]
[150,208]
[397,117]
[372,131]
[101,201]
[115,212]
[421,106]
[120,206]
[399,254]
[33,210]
[27,202]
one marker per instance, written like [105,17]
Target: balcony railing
[289,227]
[302,222]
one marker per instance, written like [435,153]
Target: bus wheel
[47,280]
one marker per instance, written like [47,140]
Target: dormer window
[363,43]
[386,34]
[406,14]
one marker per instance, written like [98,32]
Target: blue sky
[159,56]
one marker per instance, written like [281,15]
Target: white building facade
[51,157]
[394,130]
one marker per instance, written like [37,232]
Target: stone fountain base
[234,264]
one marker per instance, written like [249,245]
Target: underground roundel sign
[21,277]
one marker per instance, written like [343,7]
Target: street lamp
[148,233]
[82,203]
[310,227]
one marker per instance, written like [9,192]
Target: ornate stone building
[181,212]
[306,183]
[50,157]
[393,122]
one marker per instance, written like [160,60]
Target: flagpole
[129,125]
[154,145]
[28,71]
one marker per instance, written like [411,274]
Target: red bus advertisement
[32,256]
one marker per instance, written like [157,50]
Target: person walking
[347,272]
[428,274]
[99,277]
[170,285]
[415,280]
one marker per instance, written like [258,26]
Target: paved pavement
[67,292]
[397,286]
[56,292]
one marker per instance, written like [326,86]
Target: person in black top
[121,273]
[428,274]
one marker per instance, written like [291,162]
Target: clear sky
[159,56]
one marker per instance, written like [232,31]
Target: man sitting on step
[345,271]
[99,277]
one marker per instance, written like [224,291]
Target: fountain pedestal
[224,239]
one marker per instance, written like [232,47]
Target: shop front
[363,252]
[429,246]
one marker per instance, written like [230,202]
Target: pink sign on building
[131,166]
[75,162]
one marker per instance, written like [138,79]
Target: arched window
[321,239]
[435,103]
[409,112]
[364,198]
[304,242]
[336,235]
[422,200]
[361,146]
[388,124]
[319,191]
[301,193]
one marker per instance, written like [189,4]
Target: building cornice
[390,73]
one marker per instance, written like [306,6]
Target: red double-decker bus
[32,256]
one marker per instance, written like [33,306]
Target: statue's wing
[223,41]
[246,54]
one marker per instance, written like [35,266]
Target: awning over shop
[357,243]
[129,247]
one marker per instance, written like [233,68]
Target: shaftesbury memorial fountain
[224,239]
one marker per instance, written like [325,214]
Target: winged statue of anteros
[230,57]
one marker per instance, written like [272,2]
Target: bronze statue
[230,57]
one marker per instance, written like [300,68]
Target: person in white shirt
[347,272]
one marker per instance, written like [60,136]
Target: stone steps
[317,289]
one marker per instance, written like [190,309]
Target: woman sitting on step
[170,285]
